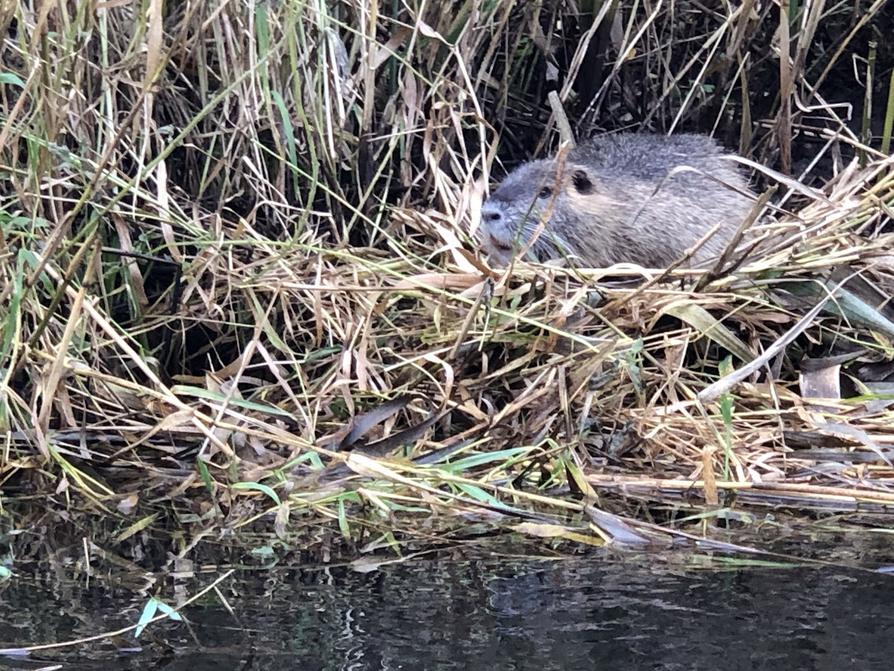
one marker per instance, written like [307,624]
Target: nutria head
[544,195]
[627,198]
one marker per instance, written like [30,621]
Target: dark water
[540,615]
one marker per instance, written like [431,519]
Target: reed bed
[241,297]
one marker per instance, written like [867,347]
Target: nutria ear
[581,181]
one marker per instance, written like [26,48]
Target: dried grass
[239,291]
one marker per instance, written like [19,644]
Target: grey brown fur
[606,209]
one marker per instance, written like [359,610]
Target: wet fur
[606,209]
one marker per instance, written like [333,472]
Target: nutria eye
[545,192]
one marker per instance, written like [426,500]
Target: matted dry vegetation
[239,290]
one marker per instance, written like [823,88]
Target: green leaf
[11,78]
[146,616]
[199,392]
[149,611]
[258,487]
[480,495]
[343,525]
[205,474]
[480,459]
[705,323]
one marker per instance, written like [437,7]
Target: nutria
[614,200]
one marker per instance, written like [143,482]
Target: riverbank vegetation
[242,304]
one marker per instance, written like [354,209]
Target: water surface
[592,613]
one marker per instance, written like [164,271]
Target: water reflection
[569,614]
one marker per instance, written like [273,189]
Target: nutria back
[624,198]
